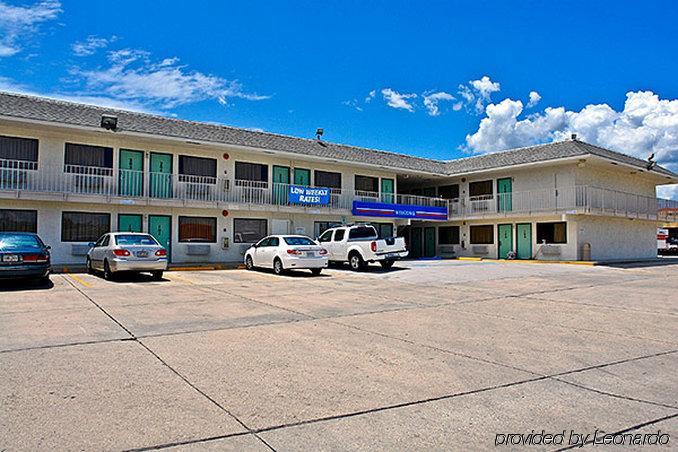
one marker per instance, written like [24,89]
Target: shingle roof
[61,112]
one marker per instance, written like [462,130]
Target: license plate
[310,254]
[143,253]
[391,255]
[10,258]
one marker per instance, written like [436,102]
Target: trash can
[586,252]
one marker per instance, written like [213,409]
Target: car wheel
[316,271]
[356,262]
[157,275]
[108,274]
[387,264]
[249,263]
[278,267]
[90,270]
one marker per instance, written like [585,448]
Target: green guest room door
[131,178]
[504,194]
[302,177]
[429,242]
[281,181]
[129,223]
[505,240]
[160,177]
[160,227]
[387,189]
[524,241]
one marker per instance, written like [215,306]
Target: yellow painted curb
[470,258]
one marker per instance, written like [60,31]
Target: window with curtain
[480,188]
[251,171]
[449,191]
[367,183]
[21,149]
[77,156]
[198,229]
[197,169]
[482,235]
[13,220]
[327,179]
[84,226]
[448,235]
[552,232]
[249,230]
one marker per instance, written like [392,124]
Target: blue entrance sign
[378,209]
[309,195]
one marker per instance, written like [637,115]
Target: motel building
[71,172]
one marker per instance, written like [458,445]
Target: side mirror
[47,247]
[91,244]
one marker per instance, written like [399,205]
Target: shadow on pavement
[131,277]
[642,264]
[25,284]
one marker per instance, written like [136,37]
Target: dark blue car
[23,255]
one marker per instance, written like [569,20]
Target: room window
[552,232]
[84,226]
[449,191]
[247,230]
[19,153]
[448,235]
[251,172]
[482,235]
[197,169]
[481,188]
[327,179]
[12,220]
[321,226]
[86,159]
[198,229]
[367,183]
[384,230]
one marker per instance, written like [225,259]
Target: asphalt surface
[431,355]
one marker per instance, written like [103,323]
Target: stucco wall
[617,238]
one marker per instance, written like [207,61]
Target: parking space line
[78,279]
[180,278]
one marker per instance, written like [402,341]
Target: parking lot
[429,355]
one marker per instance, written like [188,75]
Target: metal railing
[578,199]
[26,176]
[107,182]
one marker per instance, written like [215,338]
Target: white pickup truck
[359,245]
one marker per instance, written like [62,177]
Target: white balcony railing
[25,176]
[578,199]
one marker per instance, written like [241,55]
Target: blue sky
[440,79]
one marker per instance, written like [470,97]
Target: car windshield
[135,239]
[298,241]
[15,241]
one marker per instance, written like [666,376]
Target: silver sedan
[127,252]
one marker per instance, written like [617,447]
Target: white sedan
[286,252]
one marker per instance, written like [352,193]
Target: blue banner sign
[309,195]
[379,209]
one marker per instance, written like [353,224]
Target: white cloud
[534,99]
[646,124]
[397,100]
[370,96]
[668,191]
[431,101]
[478,92]
[353,103]
[91,45]
[18,23]
[133,76]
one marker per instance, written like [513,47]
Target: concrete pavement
[431,355]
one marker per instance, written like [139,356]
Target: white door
[280,227]
[325,241]
[336,247]
[258,254]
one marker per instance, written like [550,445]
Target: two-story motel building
[71,172]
